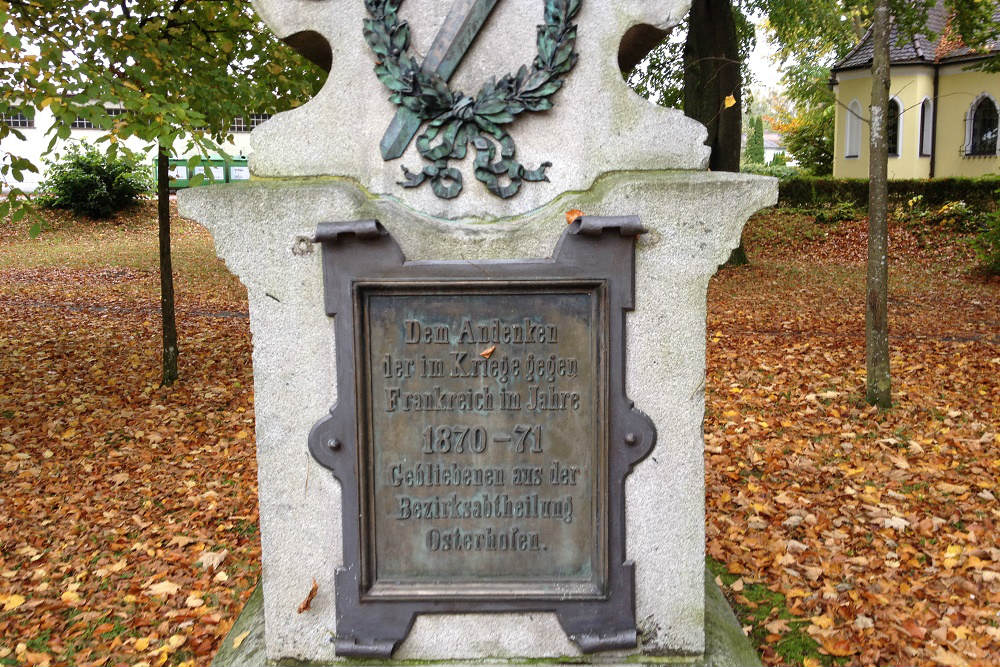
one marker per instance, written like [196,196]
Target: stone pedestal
[614,154]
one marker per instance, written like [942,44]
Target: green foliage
[90,182]
[778,171]
[806,191]
[807,128]
[809,138]
[834,212]
[753,152]
[952,215]
[180,68]
[986,243]
[660,76]
[779,160]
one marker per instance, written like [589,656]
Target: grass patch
[756,606]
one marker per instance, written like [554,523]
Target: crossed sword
[464,21]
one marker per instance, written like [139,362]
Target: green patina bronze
[455,119]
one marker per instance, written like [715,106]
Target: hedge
[806,191]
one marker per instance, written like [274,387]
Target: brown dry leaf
[957,489]
[572,215]
[211,560]
[309,598]
[777,627]
[949,658]
[12,602]
[70,597]
[163,588]
[238,639]
[488,352]
[839,647]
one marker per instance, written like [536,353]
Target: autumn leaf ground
[128,517]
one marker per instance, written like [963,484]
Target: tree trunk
[711,74]
[166,269]
[877,302]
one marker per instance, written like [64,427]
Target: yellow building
[943,116]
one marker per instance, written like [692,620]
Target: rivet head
[333,444]
[631,439]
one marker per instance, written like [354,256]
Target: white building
[35,128]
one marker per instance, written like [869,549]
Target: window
[981,127]
[82,124]
[926,128]
[241,125]
[113,111]
[893,127]
[18,119]
[853,130]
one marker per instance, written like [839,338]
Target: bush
[777,170]
[987,242]
[91,183]
[977,194]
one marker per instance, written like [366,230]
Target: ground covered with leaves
[128,516]
[845,534]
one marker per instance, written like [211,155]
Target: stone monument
[445,370]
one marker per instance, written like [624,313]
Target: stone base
[725,643]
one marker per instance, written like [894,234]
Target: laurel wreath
[456,119]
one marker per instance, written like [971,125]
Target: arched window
[853,130]
[894,126]
[926,128]
[981,127]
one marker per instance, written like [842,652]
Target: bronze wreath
[454,119]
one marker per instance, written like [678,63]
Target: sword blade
[464,21]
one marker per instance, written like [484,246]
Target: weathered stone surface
[598,124]
[694,220]
[725,643]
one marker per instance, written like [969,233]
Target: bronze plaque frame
[595,256]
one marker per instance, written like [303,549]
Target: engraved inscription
[482,411]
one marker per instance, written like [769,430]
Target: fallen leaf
[949,659]
[839,647]
[211,560]
[777,627]
[12,602]
[164,588]
[238,639]
[571,216]
[957,489]
[309,598]
[488,352]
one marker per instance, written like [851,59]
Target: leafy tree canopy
[179,68]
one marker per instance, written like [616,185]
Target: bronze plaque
[482,435]
[483,408]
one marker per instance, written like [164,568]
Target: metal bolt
[333,444]
[302,246]
[631,439]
